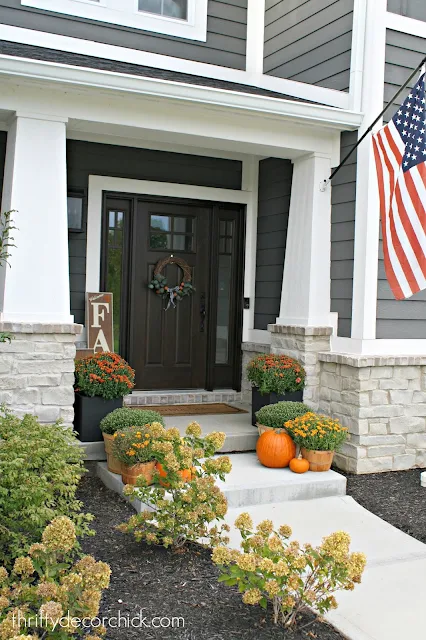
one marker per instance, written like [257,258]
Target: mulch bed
[396,497]
[163,583]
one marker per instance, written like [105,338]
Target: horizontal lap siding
[226,32]
[343,198]
[309,41]
[275,177]
[87,158]
[411,8]
[399,319]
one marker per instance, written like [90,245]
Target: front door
[195,344]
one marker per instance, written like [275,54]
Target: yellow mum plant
[187,506]
[133,445]
[316,433]
[272,570]
[47,590]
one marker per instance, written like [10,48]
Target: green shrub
[274,415]
[290,578]
[40,468]
[123,418]
[49,591]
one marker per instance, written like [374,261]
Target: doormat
[207,409]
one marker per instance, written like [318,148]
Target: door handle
[203,312]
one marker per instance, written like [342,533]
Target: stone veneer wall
[304,344]
[37,370]
[250,350]
[382,400]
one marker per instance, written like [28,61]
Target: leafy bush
[271,569]
[124,417]
[276,374]
[40,468]
[105,375]
[275,415]
[193,501]
[49,588]
[133,445]
[317,433]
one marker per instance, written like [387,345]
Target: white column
[36,286]
[255,37]
[306,282]
[250,183]
[364,303]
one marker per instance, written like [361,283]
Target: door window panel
[172,233]
[224,290]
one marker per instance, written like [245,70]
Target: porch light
[75,212]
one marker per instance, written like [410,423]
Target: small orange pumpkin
[185,474]
[299,465]
[275,449]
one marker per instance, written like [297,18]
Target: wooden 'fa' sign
[99,322]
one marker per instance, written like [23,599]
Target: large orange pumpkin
[185,474]
[275,449]
[299,465]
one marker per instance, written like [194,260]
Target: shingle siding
[275,178]
[343,196]
[87,158]
[309,41]
[226,32]
[411,8]
[397,319]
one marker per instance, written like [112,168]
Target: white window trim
[125,13]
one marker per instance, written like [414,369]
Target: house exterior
[132,130]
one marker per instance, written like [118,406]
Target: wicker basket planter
[113,464]
[129,475]
[318,460]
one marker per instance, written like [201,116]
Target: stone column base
[382,400]
[304,344]
[37,370]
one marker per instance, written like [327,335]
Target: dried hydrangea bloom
[336,545]
[23,566]
[51,611]
[193,429]
[60,535]
[3,575]
[252,596]
[244,522]
[265,527]
[47,590]
[285,531]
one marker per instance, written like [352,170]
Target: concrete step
[249,483]
[191,396]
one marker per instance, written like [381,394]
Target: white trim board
[378,347]
[331,97]
[413,27]
[127,13]
[99,184]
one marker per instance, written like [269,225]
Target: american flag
[400,154]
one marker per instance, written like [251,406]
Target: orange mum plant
[106,375]
[273,373]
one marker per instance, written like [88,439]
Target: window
[170,8]
[171,233]
[180,18]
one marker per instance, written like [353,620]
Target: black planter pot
[258,400]
[88,412]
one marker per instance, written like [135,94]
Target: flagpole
[370,128]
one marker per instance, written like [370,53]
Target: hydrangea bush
[271,569]
[40,468]
[187,510]
[124,417]
[50,587]
[105,375]
[272,373]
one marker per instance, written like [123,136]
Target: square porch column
[37,366]
[36,286]
[303,329]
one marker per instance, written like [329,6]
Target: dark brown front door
[195,345]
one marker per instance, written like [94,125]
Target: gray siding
[275,177]
[85,158]
[399,318]
[3,141]
[411,8]
[226,32]
[343,198]
[309,41]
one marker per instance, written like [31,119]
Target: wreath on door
[175,293]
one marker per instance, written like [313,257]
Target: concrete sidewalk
[390,602]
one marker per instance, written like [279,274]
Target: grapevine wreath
[172,293]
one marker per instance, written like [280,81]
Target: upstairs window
[170,8]
[180,18]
